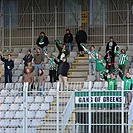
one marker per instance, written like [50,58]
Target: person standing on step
[52,69]
[62,72]
[123,60]
[8,65]
[28,57]
[81,37]
[110,49]
[68,38]
[42,42]
[38,60]
[128,84]
[100,67]
[92,60]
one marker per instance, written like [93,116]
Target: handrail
[68,111]
[130,115]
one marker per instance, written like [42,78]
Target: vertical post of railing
[2,24]
[10,29]
[79,16]
[25,104]
[55,22]
[32,26]
[77,127]
[127,25]
[89,131]
[57,108]
[103,27]
[122,108]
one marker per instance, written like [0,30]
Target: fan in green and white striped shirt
[123,60]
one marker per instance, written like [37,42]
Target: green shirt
[127,82]
[123,59]
[100,64]
[111,83]
[52,64]
[93,53]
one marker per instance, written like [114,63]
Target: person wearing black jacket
[68,38]
[28,57]
[42,41]
[9,65]
[81,37]
[110,48]
[63,52]
[63,68]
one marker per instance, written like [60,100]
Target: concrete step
[80,64]
[79,70]
[77,76]
[76,79]
[81,61]
[78,73]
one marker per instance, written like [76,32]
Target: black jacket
[68,38]
[45,42]
[27,58]
[66,52]
[63,68]
[8,63]
[113,47]
[81,36]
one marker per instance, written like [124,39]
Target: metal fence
[76,110]
[22,28]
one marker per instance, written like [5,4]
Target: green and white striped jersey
[123,59]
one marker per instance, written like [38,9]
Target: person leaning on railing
[128,84]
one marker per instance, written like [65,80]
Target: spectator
[38,60]
[68,38]
[9,65]
[100,65]
[112,83]
[28,77]
[40,79]
[42,41]
[0,73]
[63,52]
[92,60]
[110,48]
[52,69]
[28,57]
[29,65]
[63,71]
[128,84]
[123,60]
[81,37]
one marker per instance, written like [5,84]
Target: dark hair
[41,72]
[29,50]
[42,33]
[111,37]
[123,50]
[67,30]
[10,54]
[63,44]
[93,46]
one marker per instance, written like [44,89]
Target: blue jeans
[8,73]
[92,68]
[37,67]
[68,46]
[42,50]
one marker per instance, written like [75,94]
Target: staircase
[79,70]
[49,122]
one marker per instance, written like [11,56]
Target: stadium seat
[9,85]
[2,99]
[14,92]
[40,114]
[9,99]
[34,106]
[87,86]
[19,115]
[21,55]
[39,99]
[4,107]
[15,123]
[14,107]
[44,106]
[105,86]
[98,85]
[2,114]
[4,122]
[30,99]
[18,86]
[18,99]
[73,54]
[31,114]
[36,122]
[9,114]
[10,130]
[48,99]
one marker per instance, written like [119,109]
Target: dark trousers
[52,74]
[8,74]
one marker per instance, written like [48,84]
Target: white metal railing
[68,111]
[130,116]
